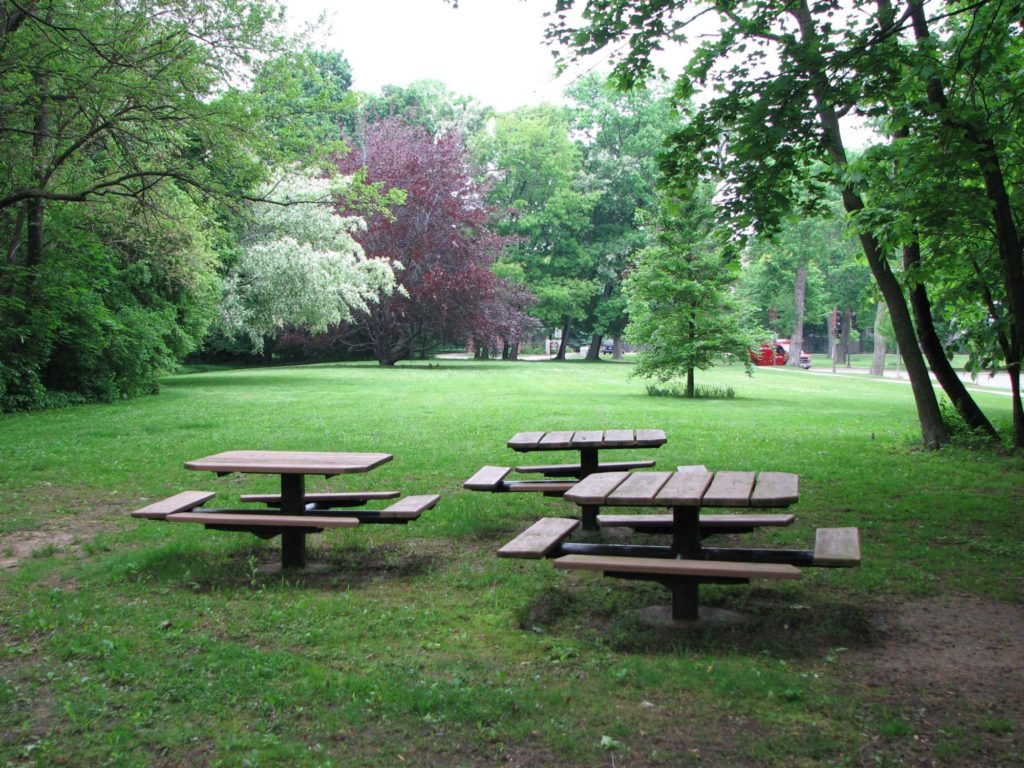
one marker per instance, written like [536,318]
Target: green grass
[144,643]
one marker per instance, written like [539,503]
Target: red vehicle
[776,353]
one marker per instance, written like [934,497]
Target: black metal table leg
[293,542]
[686,544]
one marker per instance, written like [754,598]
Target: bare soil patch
[952,669]
[67,518]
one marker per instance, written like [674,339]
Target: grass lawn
[139,643]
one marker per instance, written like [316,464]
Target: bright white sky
[492,50]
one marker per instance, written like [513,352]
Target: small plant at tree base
[700,392]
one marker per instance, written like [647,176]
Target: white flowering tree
[300,265]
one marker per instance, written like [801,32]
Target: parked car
[776,353]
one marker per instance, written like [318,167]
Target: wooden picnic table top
[568,441]
[289,462]
[688,488]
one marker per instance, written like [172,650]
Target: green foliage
[122,296]
[683,312]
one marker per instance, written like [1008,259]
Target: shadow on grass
[257,566]
[778,623]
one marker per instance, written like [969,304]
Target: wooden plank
[668,567]
[639,489]
[572,470]
[837,547]
[263,521]
[525,441]
[729,489]
[775,489]
[487,478]
[588,439]
[413,504]
[289,462]
[692,468]
[180,502]
[556,441]
[539,486]
[594,489]
[684,489]
[339,499]
[649,438]
[709,521]
[619,438]
[540,538]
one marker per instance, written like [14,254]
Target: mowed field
[138,643]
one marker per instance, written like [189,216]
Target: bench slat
[710,521]
[651,437]
[775,489]
[487,478]
[338,499]
[837,547]
[540,538]
[730,489]
[685,489]
[692,468]
[587,439]
[525,441]
[556,440]
[670,567]
[412,505]
[180,502]
[539,486]
[263,521]
[619,438]
[594,489]
[638,489]
[570,470]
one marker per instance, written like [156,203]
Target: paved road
[997,383]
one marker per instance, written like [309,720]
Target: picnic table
[686,563]
[587,443]
[292,513]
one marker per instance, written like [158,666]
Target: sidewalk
[998,383]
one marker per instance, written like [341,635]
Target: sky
[492,50]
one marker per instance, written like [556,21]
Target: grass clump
[700,391]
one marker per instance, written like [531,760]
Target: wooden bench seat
[837,547]
[323,500]
[540,538]
[656,566]
[402,511]
[245,521]
[663,523]
[574,470]
[180,502]
[550,487]
[487,478]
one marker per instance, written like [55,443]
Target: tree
[546,212]
[782,83]
[429,104]
[683,314]
[300,267]
[117,130]
[439,236]
[620,134]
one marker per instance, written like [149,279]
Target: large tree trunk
[1007,236]
[616,348]
[594,353]
[878,355]
[796,342]
[691,386]
[933,428]
[564,342]
[931,345]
